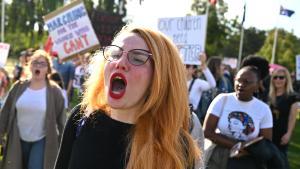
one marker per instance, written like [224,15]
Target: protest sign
[4,49]
[71,30]
[298,67]
[188,33]
[232,62]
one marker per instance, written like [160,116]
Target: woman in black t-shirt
[134,113]
[284,104]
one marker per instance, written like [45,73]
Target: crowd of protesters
[263,104]
[235,107]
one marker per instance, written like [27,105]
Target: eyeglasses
[136,57]
[188,66]
[39,64]
[279,77]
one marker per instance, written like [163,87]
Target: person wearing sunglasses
[134,113]
[284,103]
[32,118]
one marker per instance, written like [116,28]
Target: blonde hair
[160,138]
[288,85]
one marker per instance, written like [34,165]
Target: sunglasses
[279,77]
[136,57]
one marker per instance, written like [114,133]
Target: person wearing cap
[195,85]
[195,88]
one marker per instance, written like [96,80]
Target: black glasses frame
[188,66]
[108,58]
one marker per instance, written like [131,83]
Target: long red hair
[160,138]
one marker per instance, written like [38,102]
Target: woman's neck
[279,91]
[189,77]
[37,84]
[246,99]
[126,116]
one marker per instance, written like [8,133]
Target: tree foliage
[24,26]
[288,46]
[223,35]
[253,41]
[217,30]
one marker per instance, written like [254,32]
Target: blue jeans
[33,154]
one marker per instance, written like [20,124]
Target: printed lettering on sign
[188,33]
[71,30]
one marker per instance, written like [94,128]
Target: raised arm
[211,82]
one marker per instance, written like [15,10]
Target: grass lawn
[294,148]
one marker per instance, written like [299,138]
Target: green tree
[25,24]
[253,41]
[288,46]
[217,29]
[112,7]
[223,35]
[232,41]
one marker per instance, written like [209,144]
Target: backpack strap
[191,85]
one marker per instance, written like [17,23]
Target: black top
[281,112]
[96,142]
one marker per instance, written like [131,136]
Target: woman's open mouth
[117,86]
[37,72]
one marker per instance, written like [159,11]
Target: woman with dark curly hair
[263,66]
[240,117]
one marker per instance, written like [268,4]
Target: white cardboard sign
[298,67]
[188,33]
[4,49]
[71,30]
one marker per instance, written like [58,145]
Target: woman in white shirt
[32,118]
[195,85]
[240,117]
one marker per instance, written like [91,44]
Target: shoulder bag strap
[191,85]
[223,105]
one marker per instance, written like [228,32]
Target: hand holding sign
[202,58]
[71,30]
